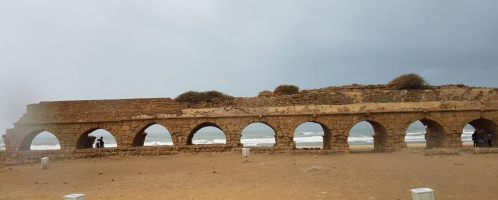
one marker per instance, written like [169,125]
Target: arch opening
[91,138]
[153,135]
[207,133]
[258,135]
[466,136]
[367,136]
[40,141]
[483,128]
[311,135]
[2,143]
[425,133]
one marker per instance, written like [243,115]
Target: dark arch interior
[367,136]
[434,134]
[40,140]
[88,139]
[312,135]
[487,126]
[258,135]
[153,135]
[206,133]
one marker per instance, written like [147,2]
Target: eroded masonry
[443,110]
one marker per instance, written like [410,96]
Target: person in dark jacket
[101,142]
[481,136]
[490,139]
[475,139]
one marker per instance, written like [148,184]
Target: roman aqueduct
[72,121]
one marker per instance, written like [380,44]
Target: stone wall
[126,120]
[126,109]
[444,129]
[3,156]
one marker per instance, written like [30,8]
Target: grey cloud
[55,50]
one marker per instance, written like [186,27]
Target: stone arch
[325,135]
[28,139]
[380,133]
[85,141]
[2,143]
[487,126]
[201,126]
[141,135]
[435,133]
[265,139]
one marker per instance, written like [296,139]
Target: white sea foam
[158,143]
[206,141]
[45,147]
[258,142]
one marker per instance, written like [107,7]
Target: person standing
[490,139]
[97,144]
[474,139]
[481,136]
[101,142]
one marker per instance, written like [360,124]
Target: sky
[105,49]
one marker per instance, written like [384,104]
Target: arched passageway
[367,136]
[482,127]
[415,135]
[2,144]
[258,135]
[90,138]
[39,141]
[153,135]
[466,136]
[425,133]
[311,135]
[207,133]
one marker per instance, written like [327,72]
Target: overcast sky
[94,49]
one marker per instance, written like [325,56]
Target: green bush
[197,97]
[286,90]
[408,82]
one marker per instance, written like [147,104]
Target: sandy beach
[264,176]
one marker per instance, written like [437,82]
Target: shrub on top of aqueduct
[286,90]
[408,82]
[197,97]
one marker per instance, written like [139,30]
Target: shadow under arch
[27,142]
[258,135]
[434,135]
[142,134]
[201,126]
[488,126]
[320,139]
[85,141]
[379,136]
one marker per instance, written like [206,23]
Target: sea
[308,135]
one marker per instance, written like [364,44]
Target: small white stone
[44,162]
[246,152]
[74,197]
[422,194]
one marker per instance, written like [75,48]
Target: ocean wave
[309,133]
[158,143]
[45,147]
[301,139]
[256,142]
[206,141]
